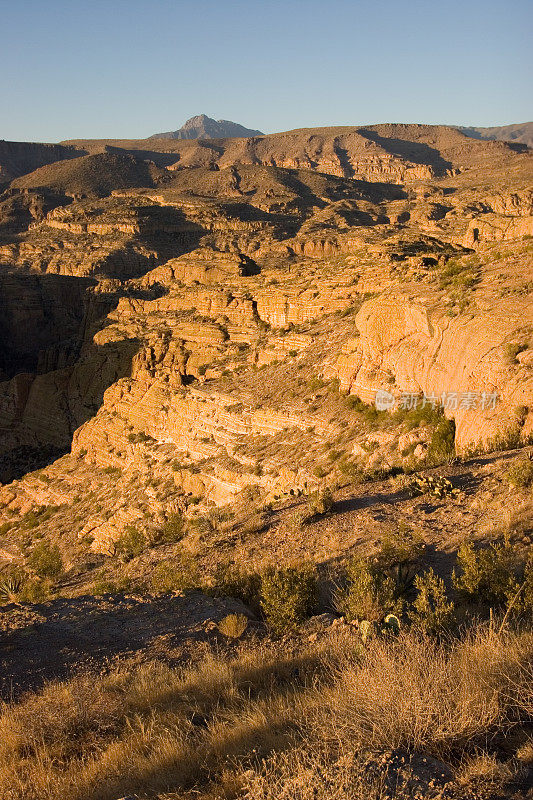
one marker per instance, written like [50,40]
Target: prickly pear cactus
[391,624]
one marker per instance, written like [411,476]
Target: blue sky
[130,68]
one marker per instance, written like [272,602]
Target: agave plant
[11,586]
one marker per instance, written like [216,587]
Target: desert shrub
[489,574]
[513,349]
[45,560]
[369,593]
[288,595]
[172,530]
[36,591]
[116,471]
[233,625]
[458,275]
[521,473]
[321,503]
[422,414]
[29,520]
[355,403]
[350,468]
[399,556]
[178,574]
[431,609]
[441,446]
[131,543]
[110,586]
[315,383]
[232,580]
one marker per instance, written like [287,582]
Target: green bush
[131,543]
[288,596]
[441,447]
[172,530]
[36,591]
[369,594]
[489,574]
[321,502]
[399,557]
[231,580]
[111,586]
[178,574]
[45,560]
[431,610]
[521,473]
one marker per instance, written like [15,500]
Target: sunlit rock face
[195,314]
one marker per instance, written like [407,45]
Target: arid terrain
[266,442]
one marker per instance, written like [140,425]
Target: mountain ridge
[204,127]
[520,133]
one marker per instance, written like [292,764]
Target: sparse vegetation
[459,274]
[131,543]
[176,574]
[312,722]
[254,480]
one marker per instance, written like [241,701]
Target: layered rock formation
[198,319]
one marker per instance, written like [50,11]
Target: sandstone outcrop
[197,328]
[427,352]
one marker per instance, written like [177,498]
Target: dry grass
[271,723]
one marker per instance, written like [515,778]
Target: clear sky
[130,68]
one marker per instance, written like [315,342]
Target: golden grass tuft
[269,722]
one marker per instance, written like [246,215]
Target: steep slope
[93,176]
[18,158]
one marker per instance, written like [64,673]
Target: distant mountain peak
[203,127]
[519,133]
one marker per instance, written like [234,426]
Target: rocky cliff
[204,320]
